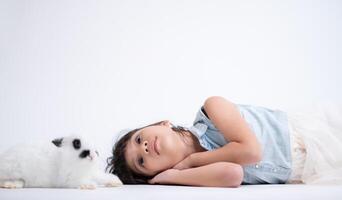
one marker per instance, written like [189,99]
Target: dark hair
[117,163]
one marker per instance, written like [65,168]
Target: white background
[97,67]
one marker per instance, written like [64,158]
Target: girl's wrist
[169,176]
[193,160]
[173,176]
[197,159]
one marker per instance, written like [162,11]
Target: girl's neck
[193,143]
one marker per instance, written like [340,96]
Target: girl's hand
[184,164]
[164,177]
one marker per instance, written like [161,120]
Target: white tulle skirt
[316,146]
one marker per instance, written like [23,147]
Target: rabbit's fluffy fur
[68,162]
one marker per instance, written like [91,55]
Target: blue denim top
[270,127]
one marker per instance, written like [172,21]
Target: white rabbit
[68,162]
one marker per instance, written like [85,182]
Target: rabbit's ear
[57,142]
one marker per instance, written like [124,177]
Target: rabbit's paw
[113,183]
[12,184]
[87,186]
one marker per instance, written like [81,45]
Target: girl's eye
[141,161]
[138,140]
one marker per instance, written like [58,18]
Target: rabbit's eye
[76,143]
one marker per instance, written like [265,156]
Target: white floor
[164,192]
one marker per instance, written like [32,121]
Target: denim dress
[272,131]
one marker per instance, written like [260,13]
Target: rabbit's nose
[84,153]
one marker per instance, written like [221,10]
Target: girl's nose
[145,146]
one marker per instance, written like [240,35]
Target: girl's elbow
[233,176]
[256,157]
[238,176]
[255,154]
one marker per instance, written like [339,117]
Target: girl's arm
[220,174]
[243,148]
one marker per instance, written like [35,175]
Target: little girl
[231,144]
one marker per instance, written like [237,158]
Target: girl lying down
[232,144]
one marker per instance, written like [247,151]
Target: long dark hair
[117,163]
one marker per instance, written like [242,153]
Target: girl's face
[154,149]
